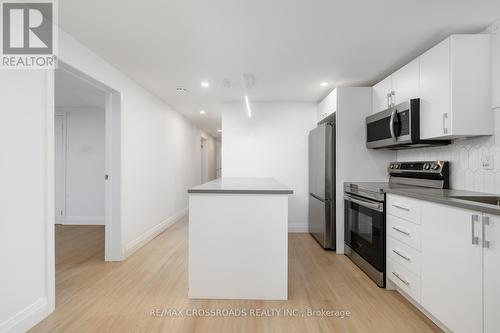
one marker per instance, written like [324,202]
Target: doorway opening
[87,129]
[204,160]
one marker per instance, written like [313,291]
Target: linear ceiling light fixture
[249,111]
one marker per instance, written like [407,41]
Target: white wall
[160,161]
[465,156]
[26,226]
[84,165]
[272,143]
[160,154]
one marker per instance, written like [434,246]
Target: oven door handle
[378,206]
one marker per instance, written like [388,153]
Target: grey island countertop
[242,186]
[447,197]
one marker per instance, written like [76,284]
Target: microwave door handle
[391,124]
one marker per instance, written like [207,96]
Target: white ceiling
[290,46]
[73,92]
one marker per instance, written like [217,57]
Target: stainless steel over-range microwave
[397,128]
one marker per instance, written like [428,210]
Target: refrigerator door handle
[320,199]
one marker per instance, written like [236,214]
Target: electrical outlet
[487,162]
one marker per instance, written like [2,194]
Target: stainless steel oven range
[364,212]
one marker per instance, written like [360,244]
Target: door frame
[113,249]
[58,216]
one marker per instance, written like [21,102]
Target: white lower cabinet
[491,273]
[455,273]
[451,286]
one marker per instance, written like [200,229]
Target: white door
[380,100]
[406,82]
[204,161]
[451,286]
[492,275]
[60,167]
[435,91]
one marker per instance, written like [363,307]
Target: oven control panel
[417,167]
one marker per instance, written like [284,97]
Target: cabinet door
[406,82]
[492,275]
[328,105]
[435,91]
[379,91]
[451,286]
[322,109]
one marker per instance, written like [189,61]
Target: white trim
[60,217]
[298,228]
[114,243]
[27,317]
[146,237]
[82,220]
[50,266]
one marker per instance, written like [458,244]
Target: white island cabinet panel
[238,240]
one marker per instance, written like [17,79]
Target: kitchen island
[238,239]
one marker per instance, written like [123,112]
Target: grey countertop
[440,196]
[242,186]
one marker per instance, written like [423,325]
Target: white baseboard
[81,220]
[146,237]
[298,228]
[27,317]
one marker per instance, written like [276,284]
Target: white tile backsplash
[466,172]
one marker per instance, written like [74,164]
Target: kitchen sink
[490,200]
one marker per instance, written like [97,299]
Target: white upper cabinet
[435,91]
[451,285]
[453,81]
[491,273]
[381,95]
[399,87]
[328,105]
[405,82]
[494,30]
[455,88]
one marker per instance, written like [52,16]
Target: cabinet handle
[401,279]
[401,207]
[486,221]
[393,98]
[388,100]
[401,231]
[445,116]
[473,220]
[401,255]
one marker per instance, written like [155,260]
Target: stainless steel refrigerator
[322,183]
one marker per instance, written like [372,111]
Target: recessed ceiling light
[202,111]
[205,84]
[181,89]
[219,130]
[323,84]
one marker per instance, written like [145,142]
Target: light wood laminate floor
[95,296]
